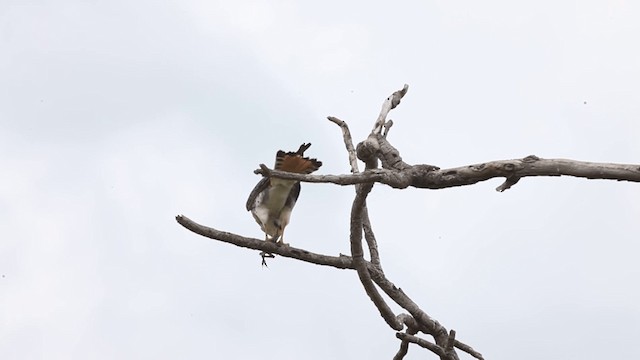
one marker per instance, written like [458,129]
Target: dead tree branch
[404,344]
[348,142]
[369,152]
[370,237]
[468,349]
[422,343]
[375,150]
[359,262]
[430,177]
[340,262]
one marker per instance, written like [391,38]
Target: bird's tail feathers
[295,162]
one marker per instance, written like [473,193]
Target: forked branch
[374,150]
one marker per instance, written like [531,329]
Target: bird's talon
[266,255]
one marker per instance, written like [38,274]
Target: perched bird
[273,199]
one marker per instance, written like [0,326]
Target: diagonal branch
[389,104]
[359,203]
[425,322]
[422,343]
[404,345]
[340,262]
[370,237]
[360,220]
[468,349]
[348,142]
[366,223]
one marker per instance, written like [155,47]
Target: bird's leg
[265,254]
[281,238]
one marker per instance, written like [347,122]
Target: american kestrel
[273,199]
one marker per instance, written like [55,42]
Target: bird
[272,200]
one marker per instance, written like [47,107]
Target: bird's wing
[260,186]
[293,195]
[285,214]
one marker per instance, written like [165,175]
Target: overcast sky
[115,116]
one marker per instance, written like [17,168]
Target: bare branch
[376,175]
[404,346]
[360,217]
[366,224]
[451,340]
[422,343]
[396,173]
[468,349]
[430,177]
[448,349]
[425,322]
[508,183]
[389,155]
[412,329]
[410,322]
[358,259]
[371,239]
[402,352]
[390,103]
[348,142]
[528,166]
[340,262]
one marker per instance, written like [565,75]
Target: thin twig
[451,340]
[348,143]
[468,349]
[368,232]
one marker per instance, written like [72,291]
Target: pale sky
[116,116]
